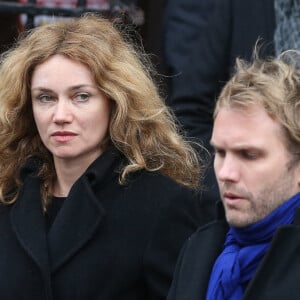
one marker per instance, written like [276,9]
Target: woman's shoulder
[157,183]
[159,193]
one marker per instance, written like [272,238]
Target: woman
[96,185]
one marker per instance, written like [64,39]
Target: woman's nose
[62,112]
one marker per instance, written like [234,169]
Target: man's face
[252,164]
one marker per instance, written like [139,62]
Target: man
[252,250]
[200,58]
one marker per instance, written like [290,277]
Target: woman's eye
[45,98]
[82,97]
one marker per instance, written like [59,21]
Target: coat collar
[76,222]
[297,217]
[285,241]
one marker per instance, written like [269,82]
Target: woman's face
[70,112]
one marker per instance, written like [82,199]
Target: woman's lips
[63,136]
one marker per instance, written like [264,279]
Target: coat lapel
[82,212]
[281,258]
[75,223]
[28,223]
[212,247]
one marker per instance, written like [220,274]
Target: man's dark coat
[276,278]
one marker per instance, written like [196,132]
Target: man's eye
[82,97]
[249,155]
[219,152]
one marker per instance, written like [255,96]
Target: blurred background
[145,14]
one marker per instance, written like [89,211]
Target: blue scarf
[244,249]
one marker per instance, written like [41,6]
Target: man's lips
[230,198]
[230,195]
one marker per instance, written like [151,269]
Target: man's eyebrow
[238,147]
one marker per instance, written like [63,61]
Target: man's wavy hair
[272,83]
[141,125]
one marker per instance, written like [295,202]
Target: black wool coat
[276,278]
[107,241]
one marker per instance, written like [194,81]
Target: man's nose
[228,169]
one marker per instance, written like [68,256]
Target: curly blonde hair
[142,127]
